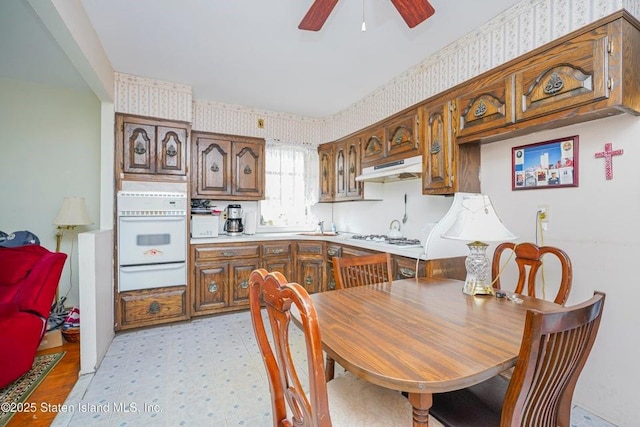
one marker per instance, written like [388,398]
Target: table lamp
[478,222]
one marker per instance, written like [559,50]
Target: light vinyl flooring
[204,372]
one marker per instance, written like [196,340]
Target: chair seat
[479,405]
[355,402]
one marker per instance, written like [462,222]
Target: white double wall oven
[152,239]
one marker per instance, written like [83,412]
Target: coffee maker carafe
[233,226]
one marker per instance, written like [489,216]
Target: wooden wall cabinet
[396,138]
[372,146]
[566,76]
[488,104]
[151,149]
[347,168]
[327,174]
[227,166]
[439,150]
[402,136]
[220,276]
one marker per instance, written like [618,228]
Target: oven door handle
[152,267]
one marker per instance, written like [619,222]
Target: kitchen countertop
[341,238]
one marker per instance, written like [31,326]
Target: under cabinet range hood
[410,168]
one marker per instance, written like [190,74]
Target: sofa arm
[38,289]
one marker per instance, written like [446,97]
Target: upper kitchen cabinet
[393,139]
[447,166]
[347,168]
[325,155]
[566,76]
[151,149]
[402,137]
[487,104]
[372,145]
[227,166]
[438,165]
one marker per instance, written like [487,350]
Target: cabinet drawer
[220,252]
[280,249]
[310,248]
[141,308]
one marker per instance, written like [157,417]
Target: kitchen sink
[317,233]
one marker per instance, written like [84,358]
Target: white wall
[374,217]
[50,148]
[596,225]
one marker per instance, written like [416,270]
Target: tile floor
[206,372]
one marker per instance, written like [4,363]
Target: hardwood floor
[53,390]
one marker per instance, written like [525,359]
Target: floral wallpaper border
[522,28]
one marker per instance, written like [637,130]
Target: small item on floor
[71,326]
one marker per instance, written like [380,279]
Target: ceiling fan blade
[317,15]
[414,11]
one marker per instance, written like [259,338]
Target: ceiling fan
[412,11]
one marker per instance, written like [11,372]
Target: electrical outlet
[543,213]
[260,123]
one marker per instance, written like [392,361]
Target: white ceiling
[247,52]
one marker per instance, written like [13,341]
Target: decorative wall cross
[608,153]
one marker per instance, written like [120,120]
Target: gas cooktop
[381,238]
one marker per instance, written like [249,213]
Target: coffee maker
[233,226]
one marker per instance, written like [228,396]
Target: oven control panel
[151,203]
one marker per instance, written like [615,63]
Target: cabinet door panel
[438,168]
[325,153]
[239,284]
[372,146]
[353,169]
[280,265]
[567,76]
[402,136]
[340,179]
[310,274]
[488,107]
[248,169]
[172,151]
[211,288]
[213,166]
[139,148]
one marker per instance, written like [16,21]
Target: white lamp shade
[477,221]
[73,212]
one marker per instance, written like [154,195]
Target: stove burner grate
[381,238]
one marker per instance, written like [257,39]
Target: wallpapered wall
[518,30]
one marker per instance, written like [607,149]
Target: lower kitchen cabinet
[277,256]
[332,251]
[220,276]
[152,307]
[310,266]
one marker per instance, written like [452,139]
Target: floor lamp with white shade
[72,214]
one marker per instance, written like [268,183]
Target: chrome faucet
[321,226]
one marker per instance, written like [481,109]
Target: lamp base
[477,265]
[474,287]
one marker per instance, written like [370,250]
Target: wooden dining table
[422,336]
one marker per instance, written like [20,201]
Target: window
[291,181]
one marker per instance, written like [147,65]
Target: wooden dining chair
[346,400]
[529,259]
[362,270]
[357,271]
[554,349]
